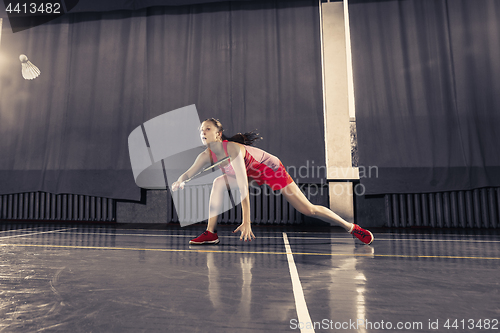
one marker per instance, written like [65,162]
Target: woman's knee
[310,211]
[219,183]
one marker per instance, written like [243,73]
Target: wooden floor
[120,278]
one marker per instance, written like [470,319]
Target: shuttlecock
[29,70]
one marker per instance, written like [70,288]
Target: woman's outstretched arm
[237,152]
[201,161]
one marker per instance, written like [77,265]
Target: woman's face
[209,132]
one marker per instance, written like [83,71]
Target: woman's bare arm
[201,161]
[236,152]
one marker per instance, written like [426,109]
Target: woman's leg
[216,204]
[298,200]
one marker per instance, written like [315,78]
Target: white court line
[296,237]
[191,235]
[298,293]
[12,230]
[22,229]
[403,239]
[113,234]
[36,233]
[392,233]
[438,240]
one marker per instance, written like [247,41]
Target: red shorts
[263,174]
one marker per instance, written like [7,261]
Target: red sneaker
[363,235]
[205,238]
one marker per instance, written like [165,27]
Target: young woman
[250,163]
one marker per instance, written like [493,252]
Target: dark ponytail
[244,138]
[247,138]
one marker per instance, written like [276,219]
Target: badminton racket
[206,169]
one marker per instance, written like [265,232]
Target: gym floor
[131,278]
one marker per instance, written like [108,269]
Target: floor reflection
[217,289]
[347,295]
[214,289]
[246,288]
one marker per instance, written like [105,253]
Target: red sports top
[260,166]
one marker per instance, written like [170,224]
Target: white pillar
[336,102]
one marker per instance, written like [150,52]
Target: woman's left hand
[246,231]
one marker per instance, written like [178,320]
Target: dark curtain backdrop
[427,82]
[253,65]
